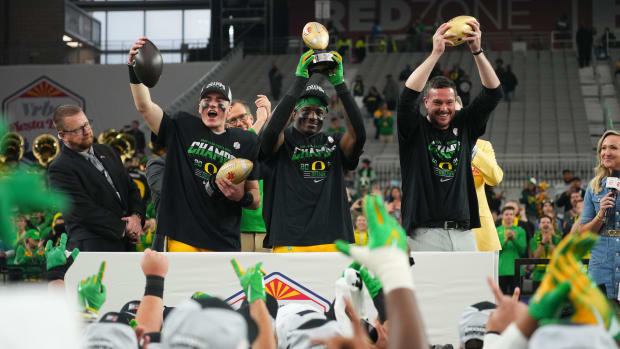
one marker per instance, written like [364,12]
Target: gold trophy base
[322,62]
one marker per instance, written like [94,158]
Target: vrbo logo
[39,109]
[29,109]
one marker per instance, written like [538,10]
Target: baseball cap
[110,335]
[571,336]
[474,321]
[297,324]
[218,87]
[216,303]
[191,325]
[116,317]
[131,307]
[33,234]
[313,90]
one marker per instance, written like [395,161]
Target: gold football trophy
[457,26]
[316,37]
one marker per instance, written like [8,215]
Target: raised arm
[263,112]
[272,136]
[417,79]
[151,112]
[354,138]
[485,69]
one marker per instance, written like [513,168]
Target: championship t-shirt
[438,183]
[305,197]
[194,153]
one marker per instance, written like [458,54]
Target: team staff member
[253,229]
[197,212]
[439,196]
[106,209]
[306,200]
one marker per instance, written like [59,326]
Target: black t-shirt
[438,184]
[305,200]
[194,153]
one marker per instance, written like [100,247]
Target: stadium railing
[517,168]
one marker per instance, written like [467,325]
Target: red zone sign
[29,110]
[285,290]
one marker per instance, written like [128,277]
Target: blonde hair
[601,171]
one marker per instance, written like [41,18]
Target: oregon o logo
[210,168]
[318,165]
[445,166]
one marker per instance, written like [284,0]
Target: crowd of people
[295,198]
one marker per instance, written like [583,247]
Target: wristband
[133,78]
[477,52]
[246,200]
[154,286]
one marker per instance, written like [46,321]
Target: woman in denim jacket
[605,257]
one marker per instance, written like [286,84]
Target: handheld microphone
[613,184]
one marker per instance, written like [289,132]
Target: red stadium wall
[355,18]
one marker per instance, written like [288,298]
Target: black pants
[101,245]
[506,284]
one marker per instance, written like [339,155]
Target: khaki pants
[253,242]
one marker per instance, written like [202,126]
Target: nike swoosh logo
[318,180]
[445,179]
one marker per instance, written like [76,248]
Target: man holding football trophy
[199,211]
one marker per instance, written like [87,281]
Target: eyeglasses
[236,119]
[81,129]
[318,112]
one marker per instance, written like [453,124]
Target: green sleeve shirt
[511,250]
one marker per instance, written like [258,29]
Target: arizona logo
[285,290]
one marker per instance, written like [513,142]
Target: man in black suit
[106,210]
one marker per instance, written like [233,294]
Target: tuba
[11,147]
[123,143]
[45,148]
[106,136]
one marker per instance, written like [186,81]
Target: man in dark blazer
[105,211]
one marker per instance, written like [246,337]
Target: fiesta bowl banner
[29,110]
[445,283]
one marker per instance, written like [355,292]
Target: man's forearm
[260,314]
[487,73]
[417,79]
[282,113]
[353,119]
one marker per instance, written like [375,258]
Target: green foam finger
[63,241]
[75,252]
[48,246]
[236,267]
[343,247]
[373,212]
[99,277]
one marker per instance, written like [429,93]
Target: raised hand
[92,292]
[154,263]
[304,62]
[474,36]
[56,257]
[440,39]
[386,253]
[134,49]
[508,308]
[251,281]
[336,75]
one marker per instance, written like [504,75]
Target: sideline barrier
[445,282]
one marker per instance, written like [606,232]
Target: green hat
[33,234]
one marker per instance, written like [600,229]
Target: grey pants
[440,239]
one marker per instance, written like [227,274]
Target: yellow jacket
[486,171]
